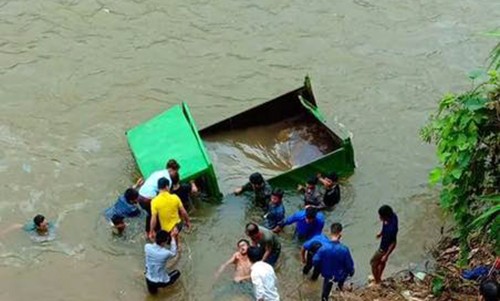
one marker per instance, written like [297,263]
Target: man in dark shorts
[266,240]
[388,239]
[335,262]
[156,259]
[331,195]
[259,186]
[184,191]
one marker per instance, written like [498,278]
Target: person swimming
[240,261]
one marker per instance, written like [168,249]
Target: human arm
[303,255]
[10,229]
[138,184]
[184,216]
[173,246]
[152,226]
[232,260]
[349,264]
[267,252]
[288,221]
[317,258]
[240,190]
[194,188]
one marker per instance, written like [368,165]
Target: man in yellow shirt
[168,209]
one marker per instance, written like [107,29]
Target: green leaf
[435,176]
[475,103]
[437,286]
[495,198]
[486,217]
[456,173]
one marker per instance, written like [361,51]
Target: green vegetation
[466,131]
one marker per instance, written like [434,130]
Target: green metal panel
[170,135]
[341,160]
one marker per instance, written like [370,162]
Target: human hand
[238,190]
[152,235]
[174,233]
[379,235]
[139,182]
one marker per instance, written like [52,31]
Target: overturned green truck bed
[287,139]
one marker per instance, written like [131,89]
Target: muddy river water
[74,75]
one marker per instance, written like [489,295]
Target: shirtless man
[241,262]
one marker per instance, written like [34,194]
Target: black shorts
[154,286]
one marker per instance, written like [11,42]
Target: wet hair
[385,212]
[312,180]
[175,179]
[336,228]
[254,254]
[311,212]
[117,219]
[162,237]
[38,220]
[333,177]
[489,290]
[252,229]
[243,240]
[172,164]
[256,178]
[278,192]
[163,183]
[131,194]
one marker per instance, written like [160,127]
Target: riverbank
[444,282]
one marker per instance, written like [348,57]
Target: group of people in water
[165,202]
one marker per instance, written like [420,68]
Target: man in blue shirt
[309,222]
[334,261]
[156,260]
[307,252]
[125,206]
[388,239]
[275,215]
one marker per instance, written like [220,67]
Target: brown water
[74,75]
[270,149]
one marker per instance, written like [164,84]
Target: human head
[254,254]
[489,290]
[336,229]
[331,179]
[311,183]
[173,167]
[252,230]
[311,214]
[385,212]
[277,196]
[162,237]
[131,195]
[243,246]
[163,184]
[40,222]
[256,179]
[118,223]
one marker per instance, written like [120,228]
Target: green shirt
[269,239]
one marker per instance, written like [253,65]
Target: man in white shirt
[156,257]
[149,189]
[263,277]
